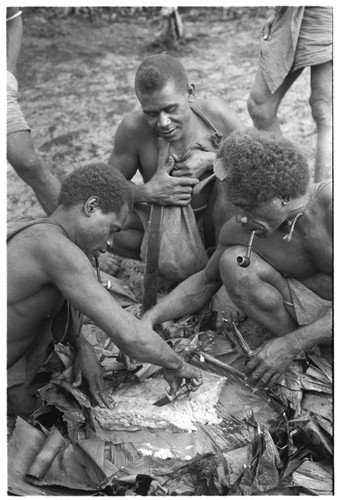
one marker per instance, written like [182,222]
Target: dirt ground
[76,83]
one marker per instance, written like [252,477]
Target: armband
[14,16]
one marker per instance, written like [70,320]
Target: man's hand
[194,164]
[87,366]
[192,375]
[167,190]
[265,32]
[270,361]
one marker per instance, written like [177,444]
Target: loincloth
[16,121]
[314,44]
[307,305]
[299,37]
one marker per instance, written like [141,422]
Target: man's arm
[66,266]
[14,37]
[273,358]
[190,295]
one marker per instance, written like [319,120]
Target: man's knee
[21,401]
[231,274]
[260,111]
[321,109]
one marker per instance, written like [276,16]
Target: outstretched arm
[190,295]
[69,269]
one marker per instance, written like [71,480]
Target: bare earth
[76,84]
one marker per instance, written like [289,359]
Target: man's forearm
[318,332]
[188,297]
[141,193]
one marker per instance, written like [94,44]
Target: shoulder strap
[321,186]
[206,120]
[16,227]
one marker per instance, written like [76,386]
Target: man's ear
[191,92]
[285,200]
[91,205]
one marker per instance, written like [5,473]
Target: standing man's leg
[20,148]
[23,158]
[263,105]
[321,108]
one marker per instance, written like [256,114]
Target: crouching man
[51,281]
[287,286]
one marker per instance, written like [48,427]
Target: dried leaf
[315,477]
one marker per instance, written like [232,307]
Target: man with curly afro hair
[51,282]
[284,280]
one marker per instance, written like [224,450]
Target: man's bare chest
[299,256]
[204,139]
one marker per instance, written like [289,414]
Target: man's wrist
[295,343]
[142,193]
[177,368]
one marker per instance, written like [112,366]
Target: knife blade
[181,393]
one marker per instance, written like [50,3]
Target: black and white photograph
[169,257]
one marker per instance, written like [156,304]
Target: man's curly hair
[159,69]
[261,166]
[97,179]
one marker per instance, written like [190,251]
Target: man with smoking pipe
[287,286]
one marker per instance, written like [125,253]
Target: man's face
[167,111]
[263,217]
[97,234]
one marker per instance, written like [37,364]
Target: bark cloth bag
[181,250]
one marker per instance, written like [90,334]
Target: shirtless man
[49,269]
[287,288]
[193,130]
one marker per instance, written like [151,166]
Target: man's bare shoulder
[133,124]
[321,206]
[220,114]
[232,233]
[46,243]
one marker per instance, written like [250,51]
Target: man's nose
[164,120]
[109,243]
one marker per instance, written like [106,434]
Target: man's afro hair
[97,179]
[262,166]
